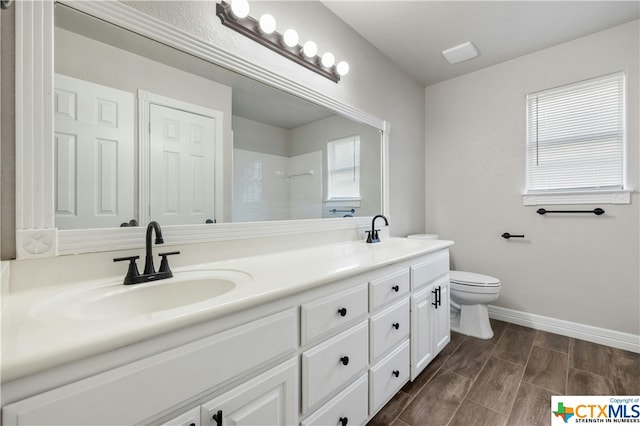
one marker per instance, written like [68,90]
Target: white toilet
[470,294]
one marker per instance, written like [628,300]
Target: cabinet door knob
[396,325]
[396,373]
[217,417]
[344,360]
[344,421]
[342,312]
[396,288]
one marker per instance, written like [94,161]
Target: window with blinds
[343,160]
[575,137]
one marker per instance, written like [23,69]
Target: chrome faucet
[372,236]
[149,274]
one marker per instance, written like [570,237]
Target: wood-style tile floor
[509,379]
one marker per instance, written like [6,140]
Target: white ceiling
[414,33]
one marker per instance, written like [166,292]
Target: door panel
[182,166]
[94,152]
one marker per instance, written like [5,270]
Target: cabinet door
[421,330]
[442,333]
[190,418]
[269,399]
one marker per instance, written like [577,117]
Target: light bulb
[342,68]
[291,38]
[310,49]
[328,59]
[240,8]
[267,23]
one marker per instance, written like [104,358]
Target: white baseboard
[603,336]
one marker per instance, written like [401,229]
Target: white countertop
[38,335]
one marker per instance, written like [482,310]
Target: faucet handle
[369,239]
[164,263]
[132,272]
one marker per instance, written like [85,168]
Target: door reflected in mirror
[147,132]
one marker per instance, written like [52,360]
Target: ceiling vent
[460,53]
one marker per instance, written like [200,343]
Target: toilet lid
[473,279]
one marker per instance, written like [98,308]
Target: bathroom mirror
[41,169]
[183,141]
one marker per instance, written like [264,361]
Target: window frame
[329,196]
[580,195]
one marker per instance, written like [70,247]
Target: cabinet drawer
[388,288]
[388,328]
[434,266]
[332,312]
[144,388]
[351,404]
[388,376]
[332,364]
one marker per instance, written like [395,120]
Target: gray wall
[374,84]
[583,269]
[254,136]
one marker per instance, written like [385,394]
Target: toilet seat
[472,279]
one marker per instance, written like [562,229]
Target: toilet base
[472,320]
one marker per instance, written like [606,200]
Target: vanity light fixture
[240,8]
[291,38]
[267,23]
[235,15]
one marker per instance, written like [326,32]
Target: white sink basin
[116,300]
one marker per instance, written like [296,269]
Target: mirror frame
[36,234]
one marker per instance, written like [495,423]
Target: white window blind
[343,158]
[575,136]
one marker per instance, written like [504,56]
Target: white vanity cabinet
[429,310]
[138,391]
[333,354]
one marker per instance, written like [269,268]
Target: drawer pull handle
[342,312]
[344,360]
[344,421]
[217,417]
[396,288]
[396,325]
[396,373]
